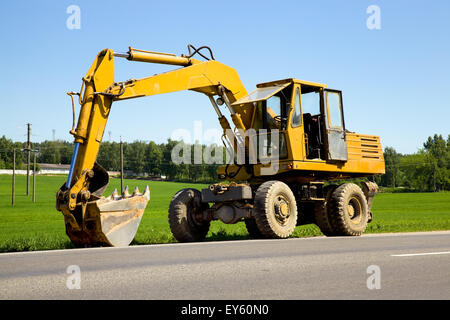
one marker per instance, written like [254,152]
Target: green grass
[38,226]
[408,212]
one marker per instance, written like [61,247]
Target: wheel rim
[354,210]
[282,209]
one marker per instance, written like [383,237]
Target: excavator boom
[90,218]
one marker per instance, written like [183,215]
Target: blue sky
[395,80]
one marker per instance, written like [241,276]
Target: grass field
[38,226]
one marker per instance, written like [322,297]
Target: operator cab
[293,104]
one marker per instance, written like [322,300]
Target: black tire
[275,210]
[348,210]
[322,212]
[252,229]
[184,207]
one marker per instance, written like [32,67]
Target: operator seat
[313,132]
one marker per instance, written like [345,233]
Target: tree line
[426,170]
[140,158]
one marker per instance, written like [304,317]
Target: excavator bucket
[115,219]
[106,221]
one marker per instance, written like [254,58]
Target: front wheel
[275,210]
[185,212]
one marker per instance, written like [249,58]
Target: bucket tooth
[147,193]
[136,191]
[114,195]
[125,193]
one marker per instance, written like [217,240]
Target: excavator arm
[90,218]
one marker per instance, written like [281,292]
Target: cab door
[295,129]
[335,126]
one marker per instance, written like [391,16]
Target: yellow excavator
[289,143]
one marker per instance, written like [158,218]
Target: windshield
[272,113]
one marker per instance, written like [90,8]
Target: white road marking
[419,254]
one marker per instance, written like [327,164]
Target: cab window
[273,112]
[311,102]
[296,115]
[334,109]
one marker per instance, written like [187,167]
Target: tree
[134,157]
[439,159]
[154,158]
[168,168]
[196,166]
[58,152]
[109,155]
[7,147]
[392,176]
[437,147]
[417,170]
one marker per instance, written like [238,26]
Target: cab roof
[265,90]
[288,81]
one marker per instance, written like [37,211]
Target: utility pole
[14,177]
[34,177]
[53,134]
[434,177]
[28,149]
[121,165]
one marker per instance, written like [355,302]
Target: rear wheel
[348,210]
[185,213]
[322,212]
[252,229]
[275,210]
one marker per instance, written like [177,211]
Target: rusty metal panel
[337,146]
[231,193]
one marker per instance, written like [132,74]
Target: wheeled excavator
[290,134]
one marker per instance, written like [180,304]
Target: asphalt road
[395,266]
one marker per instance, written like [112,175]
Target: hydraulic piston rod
[155,57]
